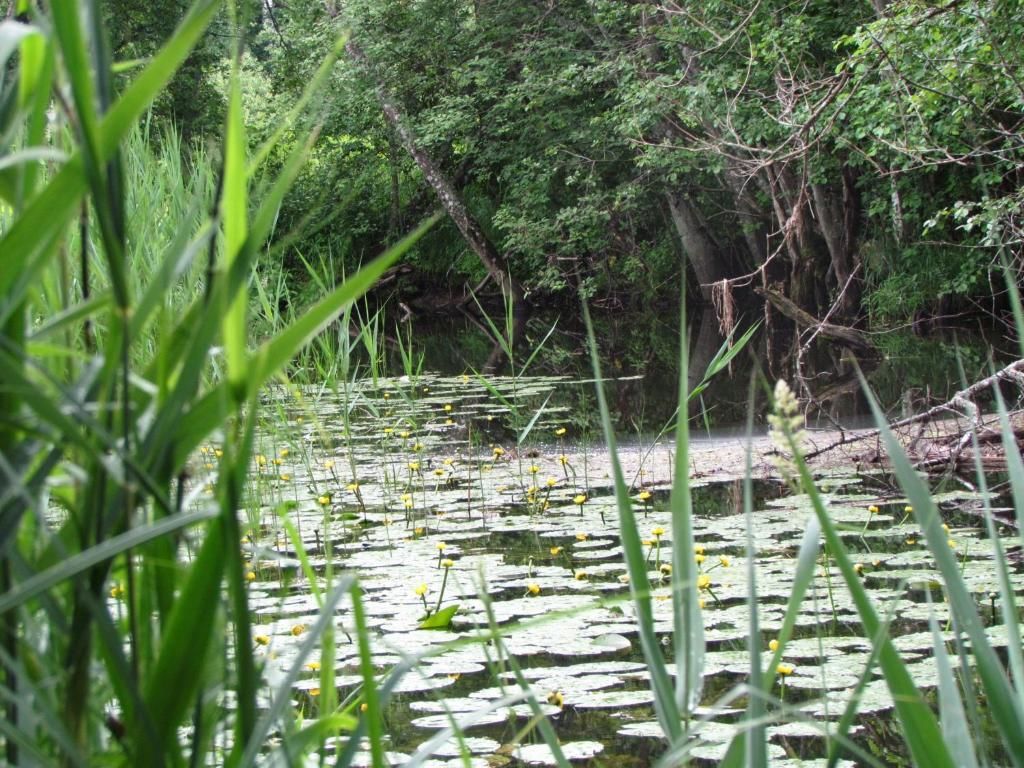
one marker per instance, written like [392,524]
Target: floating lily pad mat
[457,530]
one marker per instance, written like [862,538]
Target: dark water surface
[641,351]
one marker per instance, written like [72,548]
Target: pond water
[641,351]
[417,485]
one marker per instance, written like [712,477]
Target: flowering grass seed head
[785,428]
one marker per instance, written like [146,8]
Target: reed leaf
[665,703]
[687,618]
[920,729]
[951,707]
[1005,706]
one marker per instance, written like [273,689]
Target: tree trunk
[751,217]
[702,251]
[452,203]
[836,222]
[395,224]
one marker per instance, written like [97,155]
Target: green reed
[972,672]
[107,399]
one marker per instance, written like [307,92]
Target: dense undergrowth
[127,299]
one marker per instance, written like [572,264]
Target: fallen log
[952,439]
[851,337]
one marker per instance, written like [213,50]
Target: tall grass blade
[1005,706]
[372,712]
[753,737]
[172,684]
[951,707]
[235,211]
[687,618]
[1015,471]
[283,693]
[636,565]
[521,438]
[83,561]
[920,728]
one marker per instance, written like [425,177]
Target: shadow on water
[641,353]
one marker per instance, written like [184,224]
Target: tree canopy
[861,158]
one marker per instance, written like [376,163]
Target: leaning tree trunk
[703,253]
[451,201]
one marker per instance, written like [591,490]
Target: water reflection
[641,352]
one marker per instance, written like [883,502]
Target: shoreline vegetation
[207,559]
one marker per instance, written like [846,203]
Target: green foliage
[566,132]
[134,268]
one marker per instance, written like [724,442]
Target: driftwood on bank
[851,337]
[944,436]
